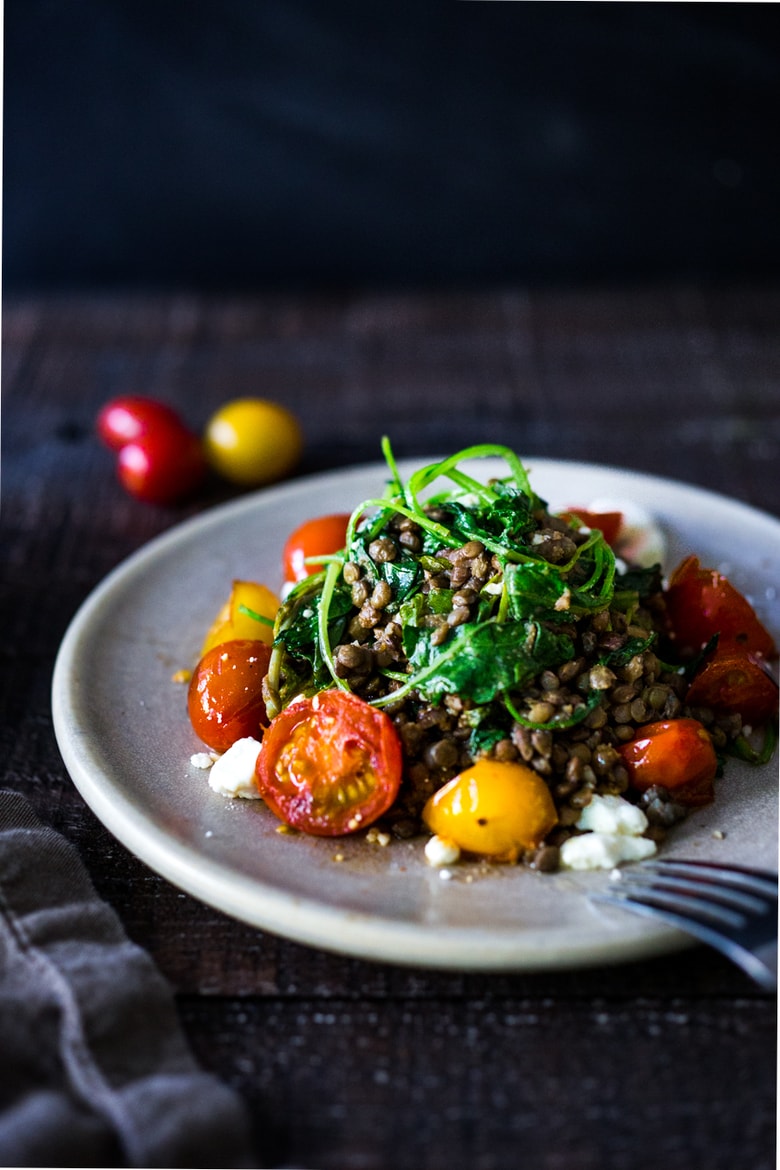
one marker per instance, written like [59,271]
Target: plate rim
[297,917]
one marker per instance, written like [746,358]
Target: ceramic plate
[123,732]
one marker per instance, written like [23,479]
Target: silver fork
[730,907]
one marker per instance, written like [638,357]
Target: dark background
[300,143]
[575,211]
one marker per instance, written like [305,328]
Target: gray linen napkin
[94,1067]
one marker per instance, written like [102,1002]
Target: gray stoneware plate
[122,728]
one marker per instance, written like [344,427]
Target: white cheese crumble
[233,774]
[604,850]
[613,834]
[202,760]
[612,814]
[439,851]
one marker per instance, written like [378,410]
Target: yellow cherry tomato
[493,808]
[232,624]
[252,441]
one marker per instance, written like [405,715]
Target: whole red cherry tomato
[163,465]
[330,764]
[608,523]
[735,684]
[675,753]
[315,538]
[125,420]
[702,602]
[225,697]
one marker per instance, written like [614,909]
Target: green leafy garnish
[256,617]
[522,608]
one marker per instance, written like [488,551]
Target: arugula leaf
[628,651]
[644,582]
[744,750]
[482,739]
[504,521]
[440,600]
[481,662]
[402,575]
[256,617]
[298,623]
[533,589]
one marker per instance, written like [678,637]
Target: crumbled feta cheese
[612,814]
[604,850]
[564,601]
[613,834]
[376,837]
[233,774]
[202,760]
[439,851]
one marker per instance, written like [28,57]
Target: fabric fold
[94,1065]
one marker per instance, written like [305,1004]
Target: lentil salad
[487,628]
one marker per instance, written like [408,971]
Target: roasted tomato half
[225,697]
[735,684]
[608,523]
[702,602]
[676,754]
[330,764]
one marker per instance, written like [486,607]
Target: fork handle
[765,956]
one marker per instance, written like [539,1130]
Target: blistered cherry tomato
[735,684]
[493,808]
[608,523]
[676,754]
[128,419]
[330,765]
[315,538]
[252,441]
[702,602]
[225,697]
[162,466]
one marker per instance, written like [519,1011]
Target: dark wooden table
[347,1064]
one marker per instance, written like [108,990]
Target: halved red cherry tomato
[330,765]
[608,523]
[125,420]
[225,697]
[164,465]
[735,684]
[702,602]
[675,753]
[315,538]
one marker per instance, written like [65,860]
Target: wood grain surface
[347,1064]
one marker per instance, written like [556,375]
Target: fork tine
[694,909]
[732,908]
[736,876]
[704,892]
[759,963]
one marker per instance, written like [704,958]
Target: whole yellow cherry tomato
[232,624]
[252,441]
[493,808]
